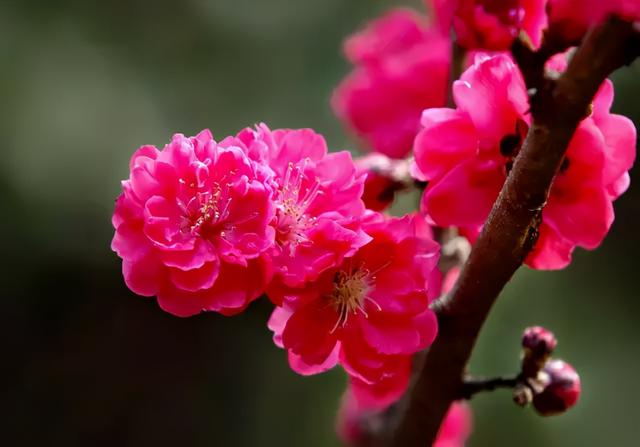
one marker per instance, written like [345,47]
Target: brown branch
[509,232]
[531,61]
[458,55]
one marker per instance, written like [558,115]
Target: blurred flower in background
[401,68]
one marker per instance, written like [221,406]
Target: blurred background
[83,84]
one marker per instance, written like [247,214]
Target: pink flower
[467,152]
[351,422]
[571,19]
[492,24]
[401,68]
[192,224]
[370,313]
[318,206]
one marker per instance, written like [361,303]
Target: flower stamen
[350,294]
[292,218]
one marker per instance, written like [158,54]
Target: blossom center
[351,291]
[295,196]
[205,210]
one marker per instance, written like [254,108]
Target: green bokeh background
[83,84]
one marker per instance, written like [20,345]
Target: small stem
[531,61]
[457,67]
[474,385]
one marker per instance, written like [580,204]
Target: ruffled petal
[551,252]
[585,220]
[277,322]
[144,275]
[298,364]
[447,139]
[620,138]
[196,279]
[464,197]
[202,253]
[182,303]
[237,286]
[494,96]
[312,346]
[380,394]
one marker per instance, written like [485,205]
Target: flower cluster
[206,225]
[494,24]
[211,226]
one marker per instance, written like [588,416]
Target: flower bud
[538,344]
[561,391]
[539,340]
[385,177]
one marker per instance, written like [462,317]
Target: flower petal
[464,197]
[313,346]
[493,94]
[551,252]
[447,139]
[298,364]
[196,279]
[585,220]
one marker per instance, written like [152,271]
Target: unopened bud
[539,340]
[538,344]
[561,388]
[385,177]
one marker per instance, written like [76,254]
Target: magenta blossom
[571,19]
[491,24]
[370,313]
[467,152]
[192,224]
[401,68]
[318,206]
